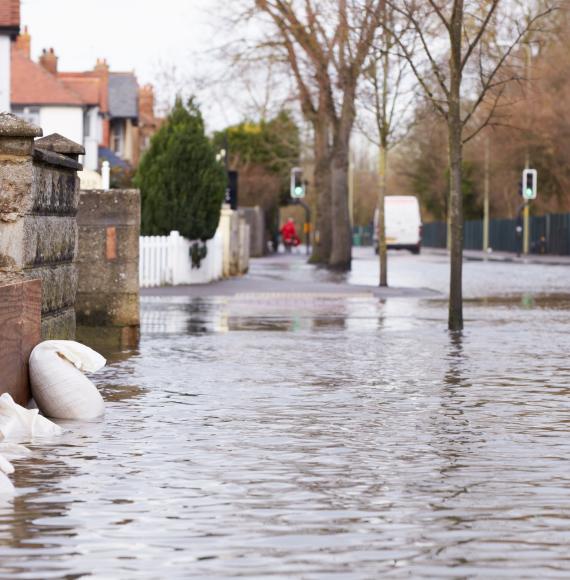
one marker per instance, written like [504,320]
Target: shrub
[182,184]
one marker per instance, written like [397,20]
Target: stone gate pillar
[107,304]
[39,195]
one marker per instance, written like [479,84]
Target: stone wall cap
[60,144]
[12,126]
[53,158]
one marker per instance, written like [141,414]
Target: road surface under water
[328,436]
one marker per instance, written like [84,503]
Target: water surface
[315,437]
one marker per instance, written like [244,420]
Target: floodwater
[334,436]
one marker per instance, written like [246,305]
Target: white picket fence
[165,260]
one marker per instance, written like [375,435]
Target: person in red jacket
[289,235]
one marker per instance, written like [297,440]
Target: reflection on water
[310,437]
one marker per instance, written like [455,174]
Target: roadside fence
[166,260]
[549,234]
[362,235]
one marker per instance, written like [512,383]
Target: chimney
[23,43]
[101,71]
[48,60]
[101,66]
[146,101]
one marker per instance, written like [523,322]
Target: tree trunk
[382,244]
[341,252]
[455,137]
[456,226]
[322,236]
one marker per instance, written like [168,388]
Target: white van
[403,223]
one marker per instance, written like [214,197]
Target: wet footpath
[301,424]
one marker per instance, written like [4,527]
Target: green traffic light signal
[297,190]
[529,184]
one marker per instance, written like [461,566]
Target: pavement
[422,276]
[288,274]
[476,255]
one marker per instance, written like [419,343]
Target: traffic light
[529,184]
[297,185]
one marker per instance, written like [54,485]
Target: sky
[150,37]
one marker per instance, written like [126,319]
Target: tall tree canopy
[324,46]
[182,184]
[266,147]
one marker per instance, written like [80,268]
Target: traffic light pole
[526,211]
[529,192]
[526,228]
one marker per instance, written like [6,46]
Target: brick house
[106,111]
[40,97]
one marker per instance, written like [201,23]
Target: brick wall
[20,329]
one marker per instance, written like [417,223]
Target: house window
[117,138]
[86,124]
[29,114]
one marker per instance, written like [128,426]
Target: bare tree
[388,101]
[463,65]
[325,45]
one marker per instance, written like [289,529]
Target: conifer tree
[182,184]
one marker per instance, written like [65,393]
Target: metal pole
[526,212]
[526,228]
[486,199]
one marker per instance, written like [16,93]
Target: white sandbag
[13,451]
[21,424]
[6,486]
[5,466]
[59,387]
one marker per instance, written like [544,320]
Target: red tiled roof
[31,84]
[93,86]
[86,88]
[9,13]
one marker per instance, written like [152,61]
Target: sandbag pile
[59,389]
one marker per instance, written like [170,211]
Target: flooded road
[266,435]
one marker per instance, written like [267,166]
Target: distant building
[124,116]
[40,97]
[9,30]
[149,123]
[98,108]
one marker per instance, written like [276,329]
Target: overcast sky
[146,36]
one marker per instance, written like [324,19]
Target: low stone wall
[107,304]
[39,194]
[236,242]
[255,219]
[20,331]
